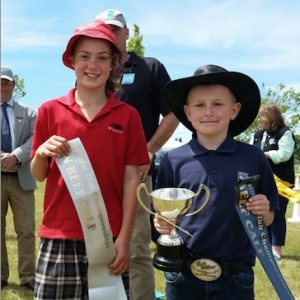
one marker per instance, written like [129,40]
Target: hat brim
[100,35]
[7,77]
[115,23]
[242,86]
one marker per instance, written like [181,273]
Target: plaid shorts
[61,271]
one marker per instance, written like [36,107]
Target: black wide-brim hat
[242,86]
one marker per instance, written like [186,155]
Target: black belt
[227,269]
[9,173]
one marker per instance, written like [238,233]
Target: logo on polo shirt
[242,175]
[115,128]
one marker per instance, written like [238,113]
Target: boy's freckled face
[210,108]
[92,61]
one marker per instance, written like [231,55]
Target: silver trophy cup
[170,203]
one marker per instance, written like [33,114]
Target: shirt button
[213,171]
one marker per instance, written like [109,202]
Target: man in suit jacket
[17,183]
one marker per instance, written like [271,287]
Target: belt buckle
[206,269]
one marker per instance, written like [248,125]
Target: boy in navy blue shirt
[216,105]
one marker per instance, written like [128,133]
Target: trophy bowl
[169,204]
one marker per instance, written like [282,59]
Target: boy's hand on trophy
[161,225]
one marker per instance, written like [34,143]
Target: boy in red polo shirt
[112,135]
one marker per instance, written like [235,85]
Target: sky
[260,38]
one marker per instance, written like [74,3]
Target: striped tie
[5,131]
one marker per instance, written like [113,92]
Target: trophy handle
[138,190]
[207,192]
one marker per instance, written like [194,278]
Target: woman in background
[278,143]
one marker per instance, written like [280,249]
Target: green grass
[13,291]
[289,265]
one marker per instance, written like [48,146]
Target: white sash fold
[84,189]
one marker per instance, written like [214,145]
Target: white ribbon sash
[84,189]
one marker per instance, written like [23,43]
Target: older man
[17,183]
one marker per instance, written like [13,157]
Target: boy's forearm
[269,217]
[39,167]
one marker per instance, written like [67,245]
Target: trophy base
[170,258]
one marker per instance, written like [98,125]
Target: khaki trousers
[22,204]
[141,271]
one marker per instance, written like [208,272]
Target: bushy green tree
[288,100]
[135,43]
[19,90]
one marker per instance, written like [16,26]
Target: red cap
[96,29]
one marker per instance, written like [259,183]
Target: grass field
[289,265]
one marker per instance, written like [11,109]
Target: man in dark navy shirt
[143,85]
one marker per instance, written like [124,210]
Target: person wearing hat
[17,183]
[143,82]
[216,105]
[111,132]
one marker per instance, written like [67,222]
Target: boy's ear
[72,61]
[186,111]
[235,110]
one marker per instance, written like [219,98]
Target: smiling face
[92,62]
[210,108]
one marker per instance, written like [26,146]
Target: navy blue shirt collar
[228,146]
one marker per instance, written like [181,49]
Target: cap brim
[115,23]
[242,86]
[7,77]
